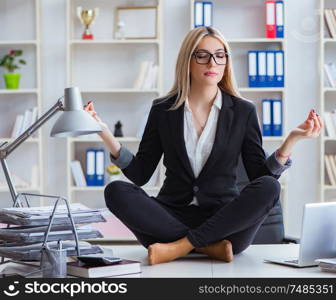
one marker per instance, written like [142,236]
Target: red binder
[270,19]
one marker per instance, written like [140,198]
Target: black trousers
[152,221]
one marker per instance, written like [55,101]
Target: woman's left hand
[310,128]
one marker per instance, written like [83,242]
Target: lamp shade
[74,120]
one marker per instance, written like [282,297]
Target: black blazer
[237,132]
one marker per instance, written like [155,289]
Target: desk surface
[247,264]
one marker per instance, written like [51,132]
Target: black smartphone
[99,260]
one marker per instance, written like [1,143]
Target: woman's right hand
[90,109]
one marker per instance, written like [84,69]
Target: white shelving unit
[327,102]
[21,24]
[252,16]
[104,69]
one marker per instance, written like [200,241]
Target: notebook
[124,267]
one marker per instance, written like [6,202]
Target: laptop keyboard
[294,261]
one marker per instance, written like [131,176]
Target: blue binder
[90,167]
[279,69]
[253,68]
[270,73]
[100,167]
[279,15]
[267,117]
[277,117]
[198,14]
[262,68]
[207,14]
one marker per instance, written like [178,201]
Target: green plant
[113,170]
[11,62]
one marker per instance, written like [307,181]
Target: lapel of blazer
[222,133]
[176,122]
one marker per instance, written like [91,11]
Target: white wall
[303,83]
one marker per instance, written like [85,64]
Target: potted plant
[11,62]
[114,172]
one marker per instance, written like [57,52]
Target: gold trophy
[87,17]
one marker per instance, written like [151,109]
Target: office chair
[272,230]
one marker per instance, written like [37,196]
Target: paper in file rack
[33,251]
[36,234]
[39,216]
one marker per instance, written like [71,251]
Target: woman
[201,127]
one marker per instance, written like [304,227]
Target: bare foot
[221,250]
[164,252]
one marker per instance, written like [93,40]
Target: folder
[277,117]
[279,18]
[270,73]
[207,13]
[100,167]
[267,117]
[253,68]
[279,68]
[90,167]
[198,14]
[262,69]
[270,19]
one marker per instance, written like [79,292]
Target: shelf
[101,188]
[112,41]
[127,90]
[18,91]
[328,138]
[261,89]
[273,138]
[29,140]
[26,189]
[256,40]
[329,187]
[18,42]
[126,139]
[329,89]
[329,40]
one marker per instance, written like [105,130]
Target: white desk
[247,264]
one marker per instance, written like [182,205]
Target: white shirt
[198,149]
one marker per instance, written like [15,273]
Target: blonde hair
[181,85]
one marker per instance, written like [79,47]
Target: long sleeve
[253,155]
[140,168]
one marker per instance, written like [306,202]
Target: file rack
[18,203]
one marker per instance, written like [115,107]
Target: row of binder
[266,68]
[272,117]
[274,19]
[203,13]
[95,167]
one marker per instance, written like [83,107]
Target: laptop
[318,236]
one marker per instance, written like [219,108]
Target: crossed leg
[165,233]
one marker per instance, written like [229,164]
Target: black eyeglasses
[203,57]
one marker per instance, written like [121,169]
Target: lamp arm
[29,131]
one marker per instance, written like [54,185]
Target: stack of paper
[33,251]
[147,76]
[39,216]
[24,242]
[330,72]
[327,264]
[330,163]
[330,21]
[36,233]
